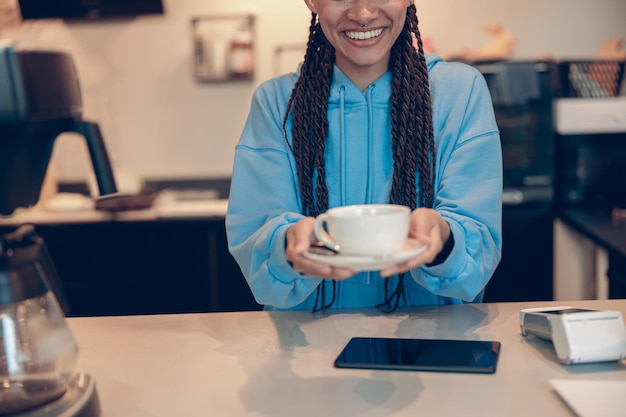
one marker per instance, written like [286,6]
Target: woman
[368,119]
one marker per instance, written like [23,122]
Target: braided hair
[413,147]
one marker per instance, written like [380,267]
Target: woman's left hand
[298,242]
[430,229]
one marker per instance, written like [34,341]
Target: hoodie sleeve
[469,183]
[263,203]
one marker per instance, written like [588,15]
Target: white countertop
[166,206]
[279,364]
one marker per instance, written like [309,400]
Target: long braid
[308,106]
[411,120]
[426,157]
[413,146]
[412,133]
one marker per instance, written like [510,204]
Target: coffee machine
[39,99]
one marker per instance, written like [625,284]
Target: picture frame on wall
[223,48]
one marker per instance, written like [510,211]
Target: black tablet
[433,355]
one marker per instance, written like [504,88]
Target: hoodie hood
[341,84]
[432,60]
[343,88]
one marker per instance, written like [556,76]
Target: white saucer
[410,249]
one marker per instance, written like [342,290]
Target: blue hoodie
[264,197]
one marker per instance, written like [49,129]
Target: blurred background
[138,77]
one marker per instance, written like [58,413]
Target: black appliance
[88,9]
[40,98]
[522,93]
[591,145]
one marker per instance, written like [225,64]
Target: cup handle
[321,234]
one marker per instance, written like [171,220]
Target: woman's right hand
[299,238]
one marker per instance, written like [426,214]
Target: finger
[423,239]
[339,274]
[309,267]
[313,268]
[302,235]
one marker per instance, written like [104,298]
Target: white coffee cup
[364,229]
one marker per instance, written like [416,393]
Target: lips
[362,36]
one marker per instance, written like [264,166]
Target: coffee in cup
[364,229]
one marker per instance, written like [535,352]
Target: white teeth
[364,35]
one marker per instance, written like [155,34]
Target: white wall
[138,83]
[564,28]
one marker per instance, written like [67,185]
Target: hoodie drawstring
[370,144]
[342,146]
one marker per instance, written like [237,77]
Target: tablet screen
[435,355]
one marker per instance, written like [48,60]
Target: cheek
[328,25]
[401,11]
[400,17]
[327,31]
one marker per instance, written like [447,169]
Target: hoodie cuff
[278,262]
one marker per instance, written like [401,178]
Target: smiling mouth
[363,36]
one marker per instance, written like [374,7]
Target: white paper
[593,398]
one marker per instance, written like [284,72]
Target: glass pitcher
[38,353]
